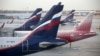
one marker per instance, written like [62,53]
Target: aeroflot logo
[57,15]
[36,14]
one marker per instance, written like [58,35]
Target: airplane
[69,18]
[33,20]
[2,26]
[41,38]
[81,31]
[11,21]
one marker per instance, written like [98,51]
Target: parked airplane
[41,38]
[11,21]
[69,18]
[81,31]
[33,20]
[2,26]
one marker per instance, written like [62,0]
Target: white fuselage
[7,42]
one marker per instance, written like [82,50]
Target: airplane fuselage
[20,45]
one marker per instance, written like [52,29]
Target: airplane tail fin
[35,12]
[50,13]
[69,17]
[71,14]
[86,24]
[34,19]
[12,20]
[2,25]
[50,27]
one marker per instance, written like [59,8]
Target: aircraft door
[25,47]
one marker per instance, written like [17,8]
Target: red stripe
[37,17]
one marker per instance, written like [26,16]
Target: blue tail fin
[36,11]
[33,21]
[51,13]
[50,27]
[69,17]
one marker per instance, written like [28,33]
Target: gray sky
[46,4]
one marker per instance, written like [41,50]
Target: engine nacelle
[47,44]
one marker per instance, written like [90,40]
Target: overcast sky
[46,4]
